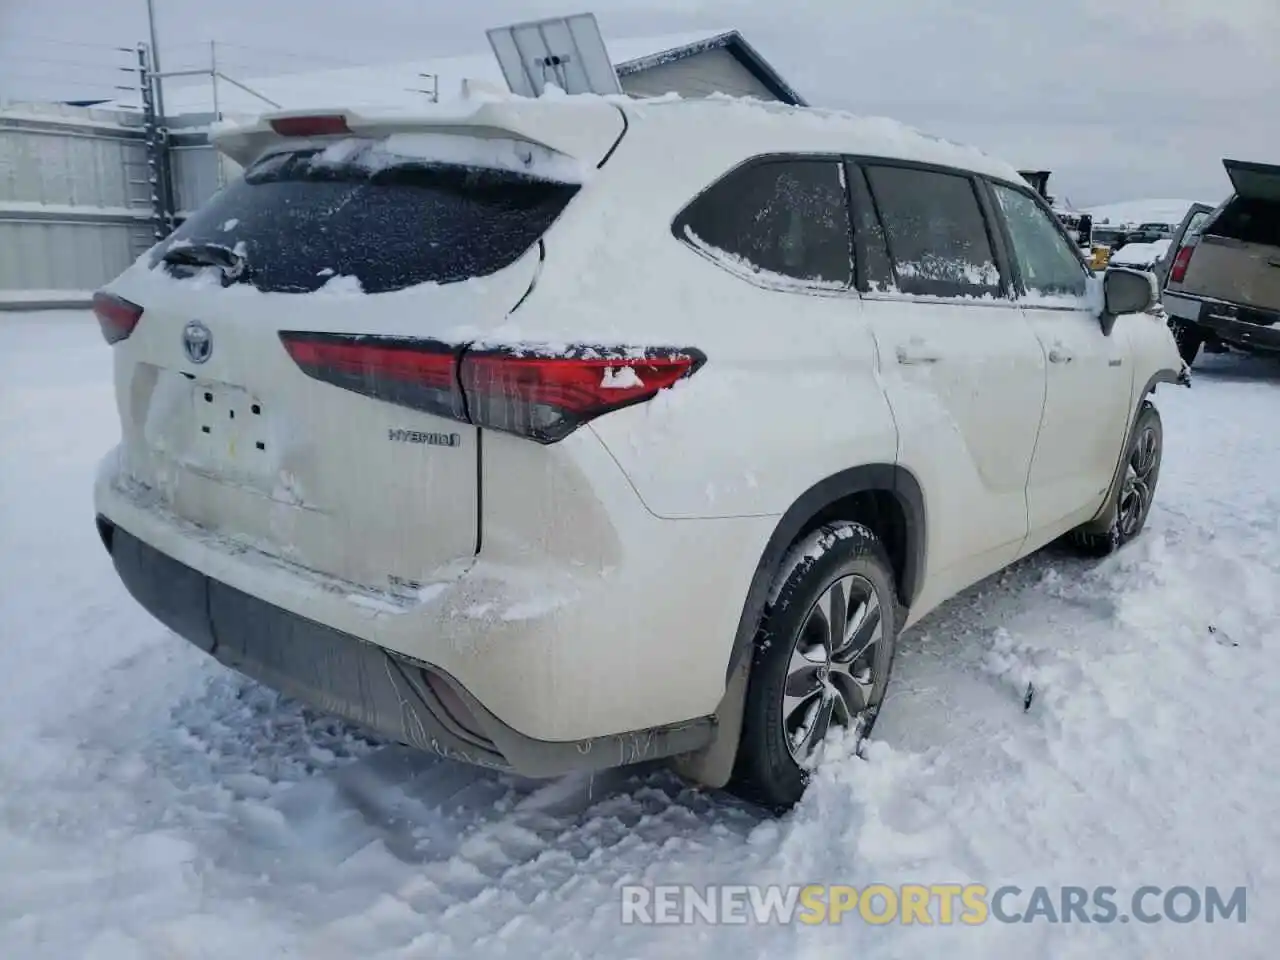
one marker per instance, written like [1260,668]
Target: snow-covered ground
[1142,211]
[153,805]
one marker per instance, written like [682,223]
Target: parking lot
[155,804]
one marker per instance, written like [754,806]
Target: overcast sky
[1122,99]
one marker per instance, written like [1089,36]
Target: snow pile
[155,805]
[1142,255]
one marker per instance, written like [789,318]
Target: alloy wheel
[1136,496]
[834,668]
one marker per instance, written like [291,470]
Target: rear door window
[1047,262]
[786,219]
[1250,220]
[301,217]
[935,232]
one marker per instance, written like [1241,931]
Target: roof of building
[736,45]
[404,83]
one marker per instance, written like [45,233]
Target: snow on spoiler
[584,128]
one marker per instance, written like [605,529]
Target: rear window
[301,217]
[1249,219]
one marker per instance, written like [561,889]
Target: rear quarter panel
[789,394]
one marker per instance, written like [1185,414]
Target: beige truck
[1221,276]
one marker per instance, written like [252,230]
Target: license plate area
[230,431]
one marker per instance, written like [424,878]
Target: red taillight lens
[530,394]
[419,374]
[545,398]
[318,126]
[1178,271]
[116,316]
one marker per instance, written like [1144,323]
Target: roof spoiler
[585,128]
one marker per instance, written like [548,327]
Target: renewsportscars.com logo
[927,904]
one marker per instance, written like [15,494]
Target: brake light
[314,126]
[546,398]
[539,396]
[418,374]
[117,317]
[1178,271]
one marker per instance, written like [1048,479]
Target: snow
[156,805]
[620,378]
[1139,254]
[24,299]
[1142,211]
[496,153]
[72,210]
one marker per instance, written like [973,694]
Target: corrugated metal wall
[74,200]
[198,170]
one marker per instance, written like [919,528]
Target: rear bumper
[393,694]
[1245,327]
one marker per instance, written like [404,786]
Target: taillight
[418,374]
[545,398]
[1178,272]
[313,126]
[529,393]
[116,316]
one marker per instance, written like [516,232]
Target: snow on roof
[819,130]
[1142,211]
[399,84]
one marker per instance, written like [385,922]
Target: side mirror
[1126,291]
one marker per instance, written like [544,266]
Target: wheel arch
[1103,517]
[885,487]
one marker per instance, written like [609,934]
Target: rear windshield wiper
[231,263]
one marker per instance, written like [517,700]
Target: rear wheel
[1137,486]
[1189,340]
[822,657]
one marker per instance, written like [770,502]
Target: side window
[870,250]
[1048,264]
[936,235]
[1196,226]
[785,218]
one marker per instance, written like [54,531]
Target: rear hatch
[362,235]
[1237,258]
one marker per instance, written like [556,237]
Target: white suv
[569,433]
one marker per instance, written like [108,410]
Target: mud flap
[712,766]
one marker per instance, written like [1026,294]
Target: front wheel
[1137,486]
[822,657]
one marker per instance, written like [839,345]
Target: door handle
[1059,356]
[917,354]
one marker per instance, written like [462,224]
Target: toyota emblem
[197,341]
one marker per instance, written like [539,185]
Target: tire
[841,570]
[1137,487]
[1189,340]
